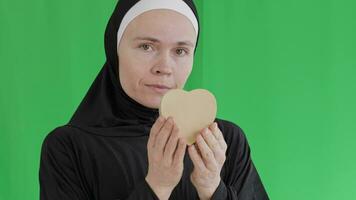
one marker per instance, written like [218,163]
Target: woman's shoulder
[231,131]
[59,137]
[227,126]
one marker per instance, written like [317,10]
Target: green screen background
[282,70]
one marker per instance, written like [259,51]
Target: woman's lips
[159,88]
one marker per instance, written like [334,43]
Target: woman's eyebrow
[185,43]
[147,38]
[154,40]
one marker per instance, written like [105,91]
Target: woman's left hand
[208,157]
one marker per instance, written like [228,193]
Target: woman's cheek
[182,77]
[142,60]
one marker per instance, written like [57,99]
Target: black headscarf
[107,109]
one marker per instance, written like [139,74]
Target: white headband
[145,5]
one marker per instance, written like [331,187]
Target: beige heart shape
[191,111]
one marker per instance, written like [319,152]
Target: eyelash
[149,45]
[186,52]
[142,45]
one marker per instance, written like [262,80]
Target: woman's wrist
[206,193]
[163,193]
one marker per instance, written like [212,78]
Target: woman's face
[157,48]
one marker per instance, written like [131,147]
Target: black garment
[77,164]
[101,153]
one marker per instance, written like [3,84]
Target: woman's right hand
[165,157]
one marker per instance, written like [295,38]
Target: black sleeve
[60,178]
[240,180]
[142,192]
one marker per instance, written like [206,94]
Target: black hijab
[107,109]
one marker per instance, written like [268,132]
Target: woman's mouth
[161,89]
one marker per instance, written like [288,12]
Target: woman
[116,146]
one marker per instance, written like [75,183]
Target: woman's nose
[163,65]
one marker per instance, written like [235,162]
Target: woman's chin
[153,102]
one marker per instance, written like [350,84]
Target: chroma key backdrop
[285,71]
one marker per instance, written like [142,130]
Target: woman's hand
[208,157]
[165,156]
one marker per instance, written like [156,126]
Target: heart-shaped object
[191,111]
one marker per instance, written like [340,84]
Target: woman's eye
[146,47]
[181,52]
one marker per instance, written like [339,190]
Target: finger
[218,135]
[156,127]
[196,158]
[180,152]
[164,133]
[172,143]
[210,139]
[212,143]
[206,153]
